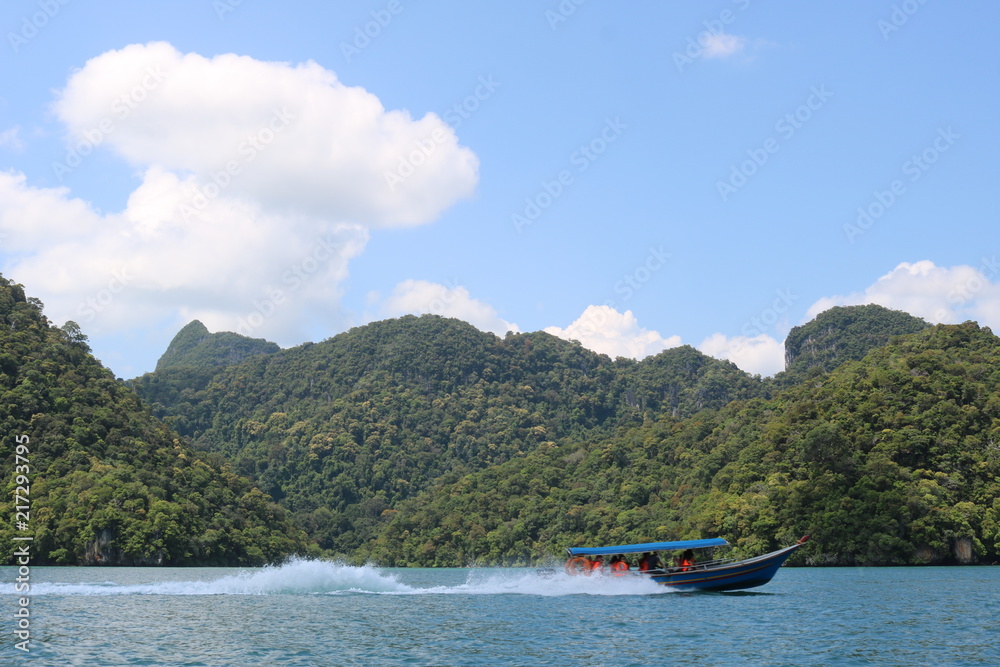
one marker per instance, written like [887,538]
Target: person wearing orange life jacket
[577,565]
[619,566]
[686,561]
[597,566]
[649,561]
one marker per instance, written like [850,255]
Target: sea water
[321,613]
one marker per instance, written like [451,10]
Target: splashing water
[521,582]
[317,577]
[295,577]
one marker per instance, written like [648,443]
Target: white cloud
[34,218]
[721,45]
[418,297]
[300,139]
[607,331]
[936,293]
[238,267]
[259,183]
[760,354]
[11,138]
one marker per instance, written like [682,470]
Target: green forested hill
[841,334]
[192,359]
[109,484]
[424,441]
[194,346]
[893,459]
[341,431]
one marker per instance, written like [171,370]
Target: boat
[723,574]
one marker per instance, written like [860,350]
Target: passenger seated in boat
[619,565]
[649,561]
[577,565]
[686,561]
[597,565]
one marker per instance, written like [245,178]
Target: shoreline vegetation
[421,441]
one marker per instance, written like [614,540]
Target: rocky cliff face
[194,346]
[103,552]
[843,333]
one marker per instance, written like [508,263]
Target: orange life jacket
[619,567]
[686,565]
[577,565]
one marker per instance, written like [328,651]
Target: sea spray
[533,582]
[300,576]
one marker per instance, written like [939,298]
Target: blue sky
[633,176]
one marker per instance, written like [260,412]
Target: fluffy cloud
[607,331]
[238,267]
[418,297]
[760,354]
[259,183]
[32,218]
[295,137]
[936,293]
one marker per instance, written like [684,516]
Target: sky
[634,176]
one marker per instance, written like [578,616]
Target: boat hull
[743,574]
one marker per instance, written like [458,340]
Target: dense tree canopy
[341,431]
[108,483]
[894,459]
[840,334]
[423,441]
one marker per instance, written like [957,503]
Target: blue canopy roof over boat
[648,546]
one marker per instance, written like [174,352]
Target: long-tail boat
[721,574]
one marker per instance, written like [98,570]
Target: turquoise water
[318,613]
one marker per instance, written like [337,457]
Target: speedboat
[723,574]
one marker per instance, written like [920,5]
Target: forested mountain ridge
[195,346]
[341,431]
[893,459]
[347,433]
[423,441]
[841,334]
[106,482]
